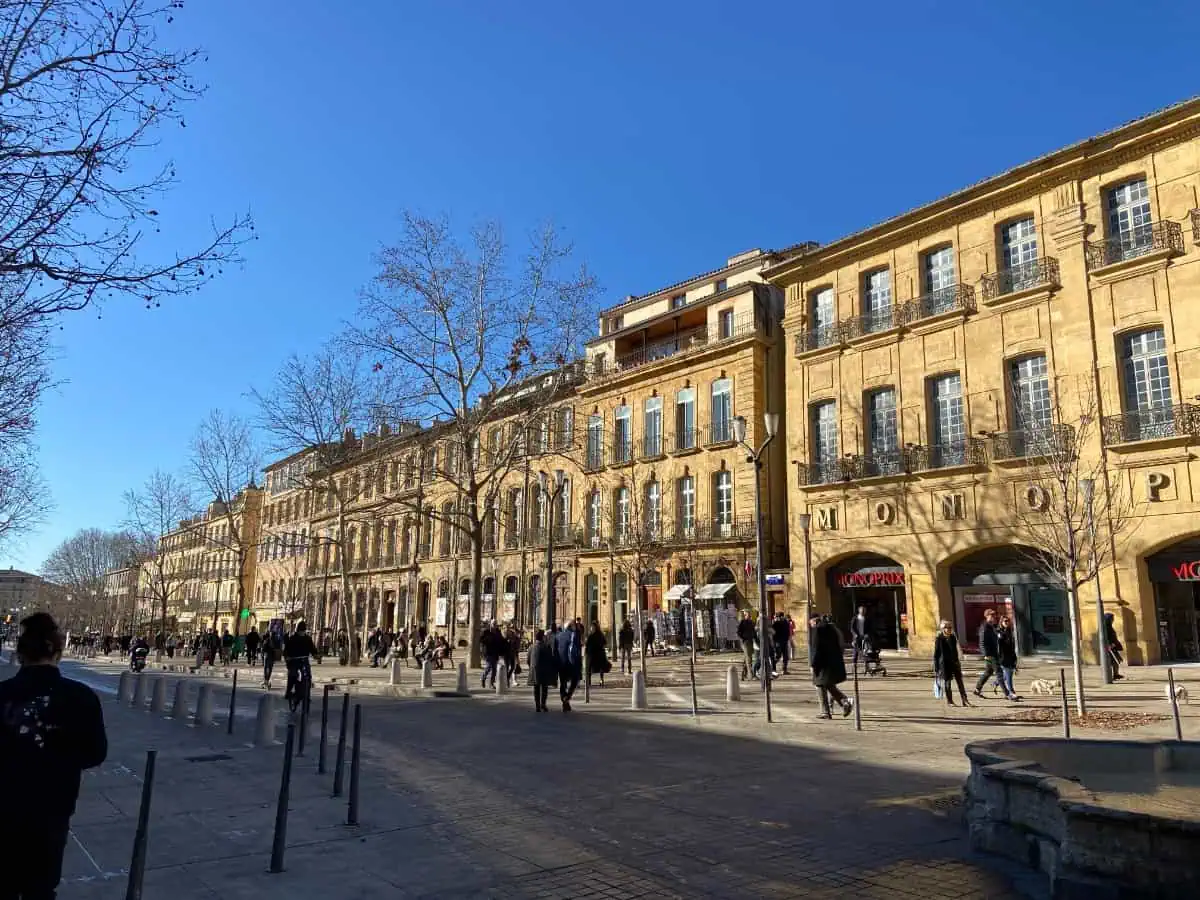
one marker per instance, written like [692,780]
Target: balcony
[879,464]
[967,452]
[651,446]
[1135,243]
[688,341]
[718,433]
[876,321]
[535,536]
[593,459]
[954,298]
[567,534]
[512,538]
[683,440]
[1195,215]
[1152,424]
[826,471]
[819,338]
[1054,442]
[621,451]
[1026,276]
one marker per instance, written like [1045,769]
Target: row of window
[1146,387]
[720,412]
[1129,226]
[615,323]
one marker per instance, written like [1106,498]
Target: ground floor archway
[874,586]
[1175,577]
[1011,580]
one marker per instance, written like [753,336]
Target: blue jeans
[1006,673]
[489,670]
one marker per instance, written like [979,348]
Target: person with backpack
[51,730]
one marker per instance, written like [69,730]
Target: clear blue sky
[664,136]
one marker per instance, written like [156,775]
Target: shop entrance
[1175,573]
[1007,580]
[875,583]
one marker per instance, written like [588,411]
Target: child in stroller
[871,662]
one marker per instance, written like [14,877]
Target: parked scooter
[137,659]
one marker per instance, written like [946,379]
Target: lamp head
[771,420]
[805,520]
[739,429]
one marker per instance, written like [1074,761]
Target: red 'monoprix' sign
[1187,571]
[872,578]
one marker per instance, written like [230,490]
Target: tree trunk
[474,631]
[349,622]
[1076,660]
[641,626]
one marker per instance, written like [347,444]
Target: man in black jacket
[989,649]
[51,729]
[747,632]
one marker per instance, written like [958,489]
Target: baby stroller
[871,662]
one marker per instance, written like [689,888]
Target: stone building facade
[936,361]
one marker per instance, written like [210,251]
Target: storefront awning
[715,591]
[679,592]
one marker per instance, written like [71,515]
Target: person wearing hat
[828,665]
[51,729]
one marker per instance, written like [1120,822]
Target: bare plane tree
[152,513]
[1069,512]
[312,404]
[225,461]
[464,334]
[78,565]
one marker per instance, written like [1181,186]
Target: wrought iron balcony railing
[566,534]
[593,458]
[1135,242]
[829,335]
[952,298]
[651,446]
[686,341]
[718,432]
[1195,214]
[1041,272]
[621,451]
[824,471]
[512,538]
[1151,423]
[875,321]
[535,536]
[881,463]
[1045,442]
[967,452]
[683,440]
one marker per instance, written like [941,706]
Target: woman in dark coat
[543,670]
[947,662]
[828,665]
[596,650]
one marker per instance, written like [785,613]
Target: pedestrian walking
[860,634]
[989,649]
[1007,658]
[253,640]
[748,635]
[569,658]
[272,650]
[51,729]
[947,663]
[828,664]
[648,636]
[597,654]
[780,633]
[625,646]
[1113,647]
[543,670]
[493,645]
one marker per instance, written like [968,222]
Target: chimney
[348,436]
[384,429]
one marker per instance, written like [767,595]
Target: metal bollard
[279,841]
[501,678]
[733,684]
[461,687]
[232,703]
[139,691]
[324,729]
[264,724]
[639,691]
[352,806]
[125,688]
[1174,704]
[137,865]
[397,668]
[158,697]
[427,674]
[1066,707]
[340,761]
[303,726]
[204,706]
[857,702]
[179,707]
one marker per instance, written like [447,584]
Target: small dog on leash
[1181,693]
[1043,686]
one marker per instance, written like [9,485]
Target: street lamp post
[754,456]
[1088,487]
[551,497]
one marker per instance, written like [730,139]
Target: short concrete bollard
[264,726]
[733,684]
[639,691]
[501,678]
[204,705]
[179,707]
[427,675]
[397,668]
[139,691]
[461,687]
[158,697]
[125,688]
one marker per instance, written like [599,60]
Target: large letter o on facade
[1037,498]
[885,513]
